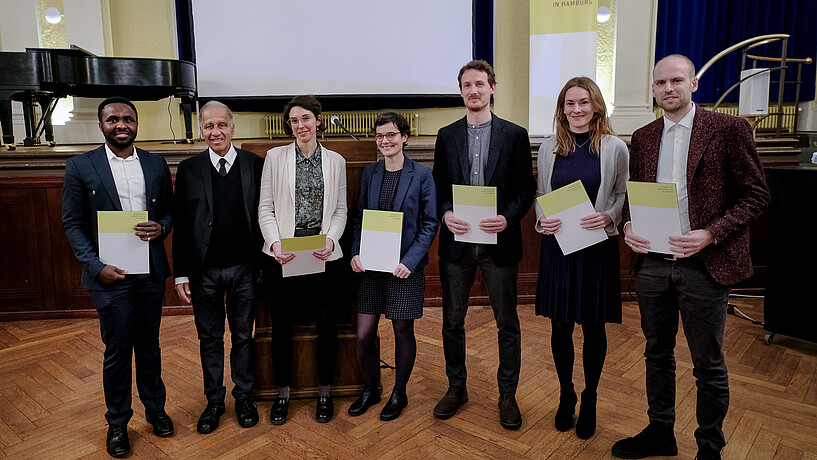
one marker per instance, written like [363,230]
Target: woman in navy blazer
[393,184]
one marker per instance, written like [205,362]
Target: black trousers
[130,312]
[307,298]
[236,285]
[665,290]
[456,279]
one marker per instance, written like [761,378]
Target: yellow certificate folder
[569,204]
[305,262]
[380,239]
[654,213]
[119,245]
[473,203]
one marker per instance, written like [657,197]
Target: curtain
[700,29]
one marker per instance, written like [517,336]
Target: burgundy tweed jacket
[725,184]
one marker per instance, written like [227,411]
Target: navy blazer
[416,198]
[89,187]
[509,169]
[194,209]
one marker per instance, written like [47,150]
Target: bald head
[673,83]
[678,59]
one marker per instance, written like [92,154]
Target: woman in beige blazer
[303,193]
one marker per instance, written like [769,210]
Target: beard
[120,143]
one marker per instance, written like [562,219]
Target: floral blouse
[308,190]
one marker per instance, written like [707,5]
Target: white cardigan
[276,208]
[615,160]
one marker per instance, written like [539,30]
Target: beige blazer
[276,208]
[615,162]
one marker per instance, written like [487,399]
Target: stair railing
[784,61]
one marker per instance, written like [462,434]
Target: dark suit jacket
[194,208]
[509,169]
[725,186]
[89,187]
[416,198]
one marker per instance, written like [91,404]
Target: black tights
[405,348]
[593,353]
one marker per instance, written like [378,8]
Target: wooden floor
[51,403]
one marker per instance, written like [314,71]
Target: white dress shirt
[129,179]
[229,156]
[672,161]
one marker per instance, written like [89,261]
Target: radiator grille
[359,123]
[768,123]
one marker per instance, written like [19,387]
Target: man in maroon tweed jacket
[713,161]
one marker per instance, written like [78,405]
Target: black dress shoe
[162,425]
[586,424]
[509,415]
[567,407]
[394,407]
[247,412]
[280,411]
[118,444]
[653,440]
[453,399]
[366,399]
[208,422]
[707,453]
[324,409]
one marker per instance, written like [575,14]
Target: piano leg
[187,109]
[6,124]
[30,118]
[47,106]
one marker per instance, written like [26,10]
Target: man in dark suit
[482,149]
[216,249]
[120,177]
[713,161]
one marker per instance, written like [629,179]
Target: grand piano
[40,76]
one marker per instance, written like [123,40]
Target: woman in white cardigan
[303,193]
[582,287]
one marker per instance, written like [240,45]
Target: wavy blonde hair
[599,124]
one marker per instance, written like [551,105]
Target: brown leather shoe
[453,399]
[509,415]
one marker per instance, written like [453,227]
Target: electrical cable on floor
[385,365]
[172,132]
[733,310]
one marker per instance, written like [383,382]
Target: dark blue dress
[582,287]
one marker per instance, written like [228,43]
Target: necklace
[578,146]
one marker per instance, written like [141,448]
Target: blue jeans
[666,288]
[456,279]
[209,309]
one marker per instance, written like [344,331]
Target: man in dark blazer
[120,177]
[216,249]
[482,149]
[713,161]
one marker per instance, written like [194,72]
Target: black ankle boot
[567,407]
[394,406]
[369,397]
[586,424]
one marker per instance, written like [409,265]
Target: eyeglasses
[304,120]
[389,136]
